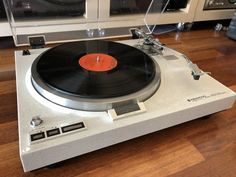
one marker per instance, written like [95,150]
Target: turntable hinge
[36,41]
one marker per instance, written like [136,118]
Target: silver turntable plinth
[50,133]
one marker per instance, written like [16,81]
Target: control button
[37,136]
[36,121]
[53,132]
[72,127]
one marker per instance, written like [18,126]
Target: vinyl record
[92,70]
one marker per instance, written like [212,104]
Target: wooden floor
[200,148]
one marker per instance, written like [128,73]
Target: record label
[97,62]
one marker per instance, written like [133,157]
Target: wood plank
[162,161]
[205,54]
[220,165]
[7,57]
[8,107]
[7,87]
[233,87]
[214,141]
[7,74]
[9,160]
[8,151]
[8,132]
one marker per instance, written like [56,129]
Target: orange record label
[98,62]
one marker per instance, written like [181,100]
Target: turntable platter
[94,71]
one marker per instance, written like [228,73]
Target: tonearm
[152,45]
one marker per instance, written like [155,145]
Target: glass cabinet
[116,13]
[68,20]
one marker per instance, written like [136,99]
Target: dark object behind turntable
[2,11]
[38,9]
[232,28]
[119,7]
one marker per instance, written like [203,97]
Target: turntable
[82,96]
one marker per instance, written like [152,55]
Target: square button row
[56,131]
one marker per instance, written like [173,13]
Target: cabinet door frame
[205,15]
[107,21]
